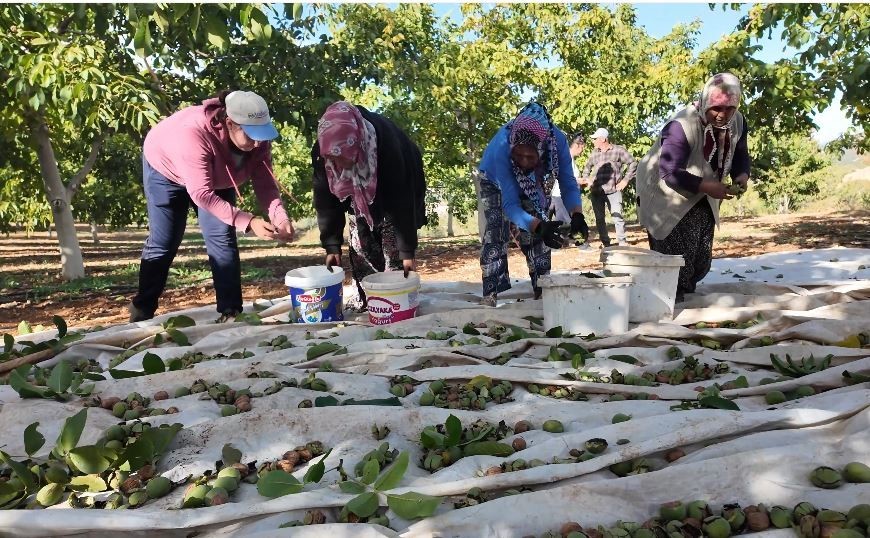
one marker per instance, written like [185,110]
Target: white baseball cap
[600,133]
[251,112]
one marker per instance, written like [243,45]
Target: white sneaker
[623,243]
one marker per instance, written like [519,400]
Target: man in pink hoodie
[197,158]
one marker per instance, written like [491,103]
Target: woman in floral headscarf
[365,166]
[680,180]
[522,162]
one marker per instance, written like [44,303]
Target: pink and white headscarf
[722,89]
[342,131]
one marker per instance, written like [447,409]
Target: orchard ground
[31,290]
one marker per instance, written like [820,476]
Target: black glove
[551,234]
[579,227]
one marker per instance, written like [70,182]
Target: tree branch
[77,179]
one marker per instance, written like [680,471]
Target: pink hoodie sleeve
[196,168]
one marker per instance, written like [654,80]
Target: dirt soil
[33,261]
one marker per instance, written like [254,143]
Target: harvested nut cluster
[474,395]
[696,519]
[132,407]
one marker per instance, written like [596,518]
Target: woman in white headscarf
[682,179]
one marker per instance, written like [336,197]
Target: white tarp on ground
[760,454]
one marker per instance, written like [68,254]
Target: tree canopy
[86,82]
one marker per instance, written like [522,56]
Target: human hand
[550,233]
[261,228]
[742,179]
[714,189]
[579,226]
[409,265]
[333,260]
[286,232]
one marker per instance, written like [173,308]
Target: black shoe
[228,315]
[137,314]
[681,297]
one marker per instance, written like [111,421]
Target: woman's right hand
[333,260]
[714,189]
[261,228]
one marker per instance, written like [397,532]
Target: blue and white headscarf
[533,127]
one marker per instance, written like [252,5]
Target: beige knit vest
[661,207]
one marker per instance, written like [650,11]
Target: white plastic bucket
[391,297]
[655,280]
[316,293]
[583,305]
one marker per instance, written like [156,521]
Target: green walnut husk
[619,417]
[195,496]
[698,510]
[735,517]
[158,487]
[831,517]
[137,498]
[804,391]
[860,512]
[227,483]
[775,397]
[115,433]
[856,473]
[50,494]
[553,426]
[427,398]
[716,527]
[622,468]
[803,509]
[673,511]
[643,533]
[780,517]
[826,478]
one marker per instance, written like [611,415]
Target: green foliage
[97,76]
[788,169]
[831,40]
[373,482]
[112,193]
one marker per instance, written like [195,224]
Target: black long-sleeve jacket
[400,192]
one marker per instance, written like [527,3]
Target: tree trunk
[71,262]
[94,236]
[470,160]
[450,220]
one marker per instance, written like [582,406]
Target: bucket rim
[391,281]
[559,279]
[319,277]
[639,257]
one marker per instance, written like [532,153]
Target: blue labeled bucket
[317,294]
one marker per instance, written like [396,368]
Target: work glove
[579,227]
[550,233]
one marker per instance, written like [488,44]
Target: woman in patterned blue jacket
[522,162]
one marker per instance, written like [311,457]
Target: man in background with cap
[197,158]
[608,171]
